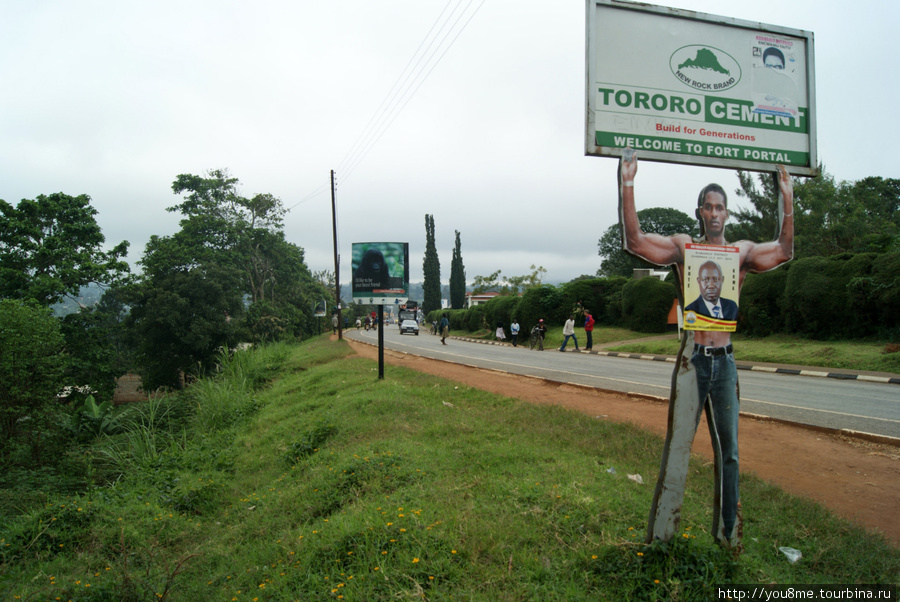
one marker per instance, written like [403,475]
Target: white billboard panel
[686,87]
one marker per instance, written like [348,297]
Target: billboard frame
[368,289]
[761,160]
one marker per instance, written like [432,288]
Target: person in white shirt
[569,332]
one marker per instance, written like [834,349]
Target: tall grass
[343,486]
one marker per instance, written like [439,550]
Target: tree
[51,246]
[31,367]
[95,345]
[658,220]
[183,318]
[491,282]
[830,217]
[759,222]
[191,299]
[431,268]
[509,285]
[457,277]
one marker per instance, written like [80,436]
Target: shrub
[473,318]
[828,297]
[762,297]
[886,294]
[541,302]
[596,294]
[500,310]
[31,367]
[646,304]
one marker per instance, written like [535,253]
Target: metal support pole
[337,262]
[380,342]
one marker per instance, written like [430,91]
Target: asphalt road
[836,404]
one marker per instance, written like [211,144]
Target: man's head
[773,58]
[712,210]
[709,279]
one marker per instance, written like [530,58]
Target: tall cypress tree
[431,268]
[457,277]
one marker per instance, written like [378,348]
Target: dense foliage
[646,304]
[457,277]
[31,368]
[227,276]
[830,217]
[840,297]
[431,269]
[51,246]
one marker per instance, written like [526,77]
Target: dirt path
[856,479]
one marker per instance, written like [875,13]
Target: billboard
[380,273]
[687,87]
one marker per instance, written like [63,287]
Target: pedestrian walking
[588,329]
[445,329]
[569,332]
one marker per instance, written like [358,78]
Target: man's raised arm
[661,250]
[770,255]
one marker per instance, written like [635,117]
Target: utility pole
[337,263]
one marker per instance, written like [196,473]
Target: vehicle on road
[409,315]
[409,326]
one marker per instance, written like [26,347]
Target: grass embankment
[866,355]
[331,484]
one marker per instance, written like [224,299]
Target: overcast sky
[114,99]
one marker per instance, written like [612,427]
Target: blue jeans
[566,341]
[710,383]
[717,378]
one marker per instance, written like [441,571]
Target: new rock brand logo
[705,68]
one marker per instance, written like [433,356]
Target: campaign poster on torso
[711,287]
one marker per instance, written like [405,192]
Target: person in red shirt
[588,329]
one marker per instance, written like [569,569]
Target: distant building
[472,299]
[643,273]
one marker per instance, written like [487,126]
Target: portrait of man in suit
[710,303]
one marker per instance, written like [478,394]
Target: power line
[320,190]
[388,97]
[402,91]
[397,99]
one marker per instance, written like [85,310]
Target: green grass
[332,484]
[783,349]
[866,354]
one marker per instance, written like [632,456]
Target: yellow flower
[415,560]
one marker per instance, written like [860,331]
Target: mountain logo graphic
[705,68]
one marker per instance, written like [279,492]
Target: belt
[713,351]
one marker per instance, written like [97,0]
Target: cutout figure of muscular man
[705,373]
